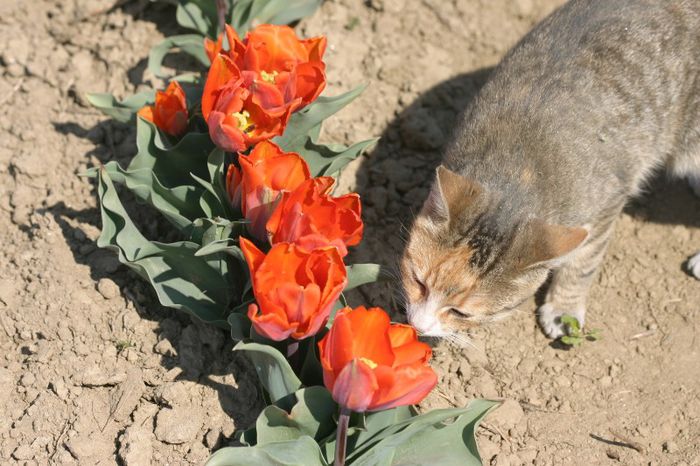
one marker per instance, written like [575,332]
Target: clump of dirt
[95,372]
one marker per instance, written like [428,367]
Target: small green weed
[574,335]
[123,344]
[353,23]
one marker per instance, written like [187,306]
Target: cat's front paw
[694,265]
[549,319]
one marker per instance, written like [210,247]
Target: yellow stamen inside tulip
[243,120]
[369,362]
[268,77]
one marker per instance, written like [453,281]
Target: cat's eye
[421,286]
[458,313]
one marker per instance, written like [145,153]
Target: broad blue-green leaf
[311,415]
[361,274]
[307,120]
[274,372]
[199,15]
[329,160]
[239,322]
[180,279]
[300,452]
[371,424]
[177,204]
[269,11]
[192,44]
[162,176]
[442,436]
[172,164]
[120,110]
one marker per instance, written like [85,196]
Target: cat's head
[472,256]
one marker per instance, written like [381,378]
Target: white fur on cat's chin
[694,265]
[550,319]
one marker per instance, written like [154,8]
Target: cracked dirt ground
[95,372]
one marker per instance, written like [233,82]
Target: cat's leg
[694,262]
[685,163]
[570,283]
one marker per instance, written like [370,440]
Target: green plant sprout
[121,345]
[574,335]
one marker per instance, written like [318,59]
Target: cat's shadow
[393,180]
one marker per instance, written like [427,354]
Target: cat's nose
[424,320]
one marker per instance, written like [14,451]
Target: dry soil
[93,371]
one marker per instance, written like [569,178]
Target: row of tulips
[251,90]
[265,250]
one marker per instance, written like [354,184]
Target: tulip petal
[315,47]
[222,71]
[270,325]
[355,386]
[309,81]
[253,256]
[146,113]
[298,302]
[336,349]
[404,385]
[372,322]
[225,135]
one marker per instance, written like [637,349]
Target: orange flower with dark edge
[169,113]
[310,217]
[370,364]
[238,118]
[265,174]
[254,86]
[295,290]
[277,56]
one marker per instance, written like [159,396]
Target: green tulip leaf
[273,370]
[361,274]
[177,204]
[173,165]
[245,12]
[120,110]
[200,15]
[192,44]
[239,323]
[306,121]
[442,436]
[303,451]
[180,279]
[163,177]
[311,415]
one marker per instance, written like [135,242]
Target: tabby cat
[568,127]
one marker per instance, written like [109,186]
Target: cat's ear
[549,244]
[450,193]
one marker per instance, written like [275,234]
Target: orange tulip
[370,364]
[266,173]
[295,290]
[277,56]
[254,86]
[237,117]
[310,217]
[169,113]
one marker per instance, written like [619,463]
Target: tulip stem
[341,439]
[221,10]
